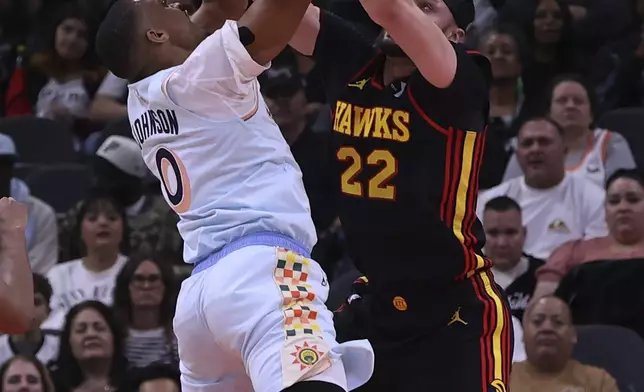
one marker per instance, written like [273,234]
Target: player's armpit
[270,26]
[420,38]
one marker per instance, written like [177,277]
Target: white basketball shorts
[255,320]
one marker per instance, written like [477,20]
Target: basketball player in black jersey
[409,120]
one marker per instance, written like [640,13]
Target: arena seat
[61,186]
[629,123]
[617,350]
[40,140]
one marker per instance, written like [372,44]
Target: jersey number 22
[377,186]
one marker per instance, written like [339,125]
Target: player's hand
[13,215]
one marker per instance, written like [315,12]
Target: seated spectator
[25,374]
[119,170]
[557,207]
[625,239]
[156,378]
[66,72]
[549,337]
[91,351]
[502,45]
[547,26]
[42,231]
[103,231]
[144,300]
[38,343]
[591,153]
[513,270]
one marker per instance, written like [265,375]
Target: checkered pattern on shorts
[291,274]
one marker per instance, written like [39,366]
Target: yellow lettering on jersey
[345,120]
[382,124]
[363,121]
[401,128]
[375,122]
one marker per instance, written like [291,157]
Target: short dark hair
[116,39]
[547,119]
[156,371]
[631,174]
[502,204]
[42,286]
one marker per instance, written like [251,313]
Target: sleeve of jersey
[219,79]
[460,104]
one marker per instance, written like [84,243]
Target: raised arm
[213,13]
[307,32]
[16,279]
[418,36]
[268,25]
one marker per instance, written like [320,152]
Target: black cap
[281,81]
[463,12]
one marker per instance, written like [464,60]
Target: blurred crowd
[561,199]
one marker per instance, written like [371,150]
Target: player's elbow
[441,72]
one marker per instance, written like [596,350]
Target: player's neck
[98,260]
[504,92]
[177,57]
[397,68]
[145,319]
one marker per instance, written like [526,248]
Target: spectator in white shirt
[556,206]
[42,229]
[103,230]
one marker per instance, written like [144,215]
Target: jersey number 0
[377,186]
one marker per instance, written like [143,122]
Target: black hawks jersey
[406,158]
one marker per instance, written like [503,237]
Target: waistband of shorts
[265,239]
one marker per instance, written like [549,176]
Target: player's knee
[314,386]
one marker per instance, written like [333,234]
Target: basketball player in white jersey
[252,315]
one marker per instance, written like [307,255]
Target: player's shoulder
[472,62]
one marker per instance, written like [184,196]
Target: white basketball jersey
[224,166]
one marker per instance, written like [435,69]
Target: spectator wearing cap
[42,231]
[119,171]
[556,206]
